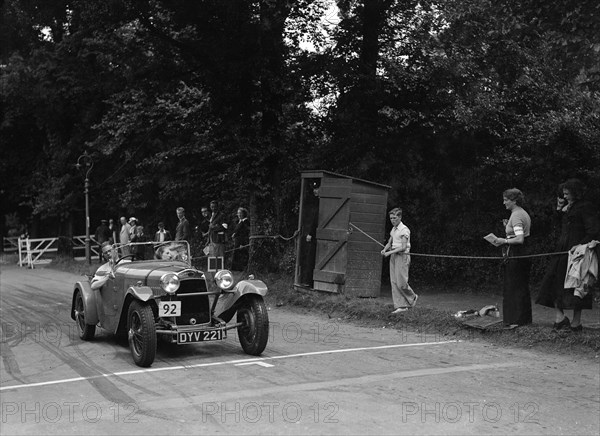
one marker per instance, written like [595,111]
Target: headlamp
[224,279]
[170,283]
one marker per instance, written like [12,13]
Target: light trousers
[402,293]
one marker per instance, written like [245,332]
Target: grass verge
[425,320]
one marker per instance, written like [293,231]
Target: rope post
[20,252]
[29,258]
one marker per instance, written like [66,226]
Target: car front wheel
[141,333]
[254,329]
[86,332]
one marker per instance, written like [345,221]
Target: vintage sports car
[166,297]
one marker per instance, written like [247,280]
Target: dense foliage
[178,102]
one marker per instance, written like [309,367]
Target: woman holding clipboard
[516,304]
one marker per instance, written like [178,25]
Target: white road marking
[266,365]
[226,362]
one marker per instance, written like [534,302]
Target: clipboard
[491,238]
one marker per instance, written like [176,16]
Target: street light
[85,163]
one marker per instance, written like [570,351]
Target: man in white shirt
[103,272]
[398,249]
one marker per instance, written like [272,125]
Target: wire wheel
[254,331]
[86,332]
[141,333]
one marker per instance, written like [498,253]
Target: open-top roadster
[167,297]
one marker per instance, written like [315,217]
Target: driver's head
[106,250]
[167,252]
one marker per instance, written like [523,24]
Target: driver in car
[103,272]
[168,252]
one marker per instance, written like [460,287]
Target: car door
[109,304]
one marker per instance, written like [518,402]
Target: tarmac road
[317,376]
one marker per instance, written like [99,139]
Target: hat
[103,221]
[132,219]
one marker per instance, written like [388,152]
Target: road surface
[317,376]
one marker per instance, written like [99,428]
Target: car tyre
[86,331]
[141,333]
[254,329]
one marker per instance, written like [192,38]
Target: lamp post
[85,163]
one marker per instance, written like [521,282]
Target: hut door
[332,234]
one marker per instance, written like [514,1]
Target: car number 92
[201,336]
[169,308]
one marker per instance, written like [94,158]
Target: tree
[180,102]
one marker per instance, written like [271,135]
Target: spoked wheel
[141,333]
[86,332]
[254,331]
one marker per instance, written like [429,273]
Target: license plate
[202,336]
[169,308]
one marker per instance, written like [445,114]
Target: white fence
[43,250]
[10,244]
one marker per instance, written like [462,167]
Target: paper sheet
[491,238]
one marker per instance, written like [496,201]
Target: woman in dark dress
[516,301]
[579,226]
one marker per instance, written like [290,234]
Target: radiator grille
[197,306]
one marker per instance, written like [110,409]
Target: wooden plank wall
[368,211]
[334,213]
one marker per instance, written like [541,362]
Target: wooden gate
[332,234]
[43,250]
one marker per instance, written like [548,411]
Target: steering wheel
[124,257]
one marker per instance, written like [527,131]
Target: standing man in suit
[182,232]
[204,225]
[241,240]
[216,231]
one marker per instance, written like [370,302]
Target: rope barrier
[368,236]
[275,236]
[488,257]
[226,251]
[450,256]
[442,256]
[278,236]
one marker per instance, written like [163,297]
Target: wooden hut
[347,261]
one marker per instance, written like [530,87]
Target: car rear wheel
[141,333]
[86,332]
[254,331]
